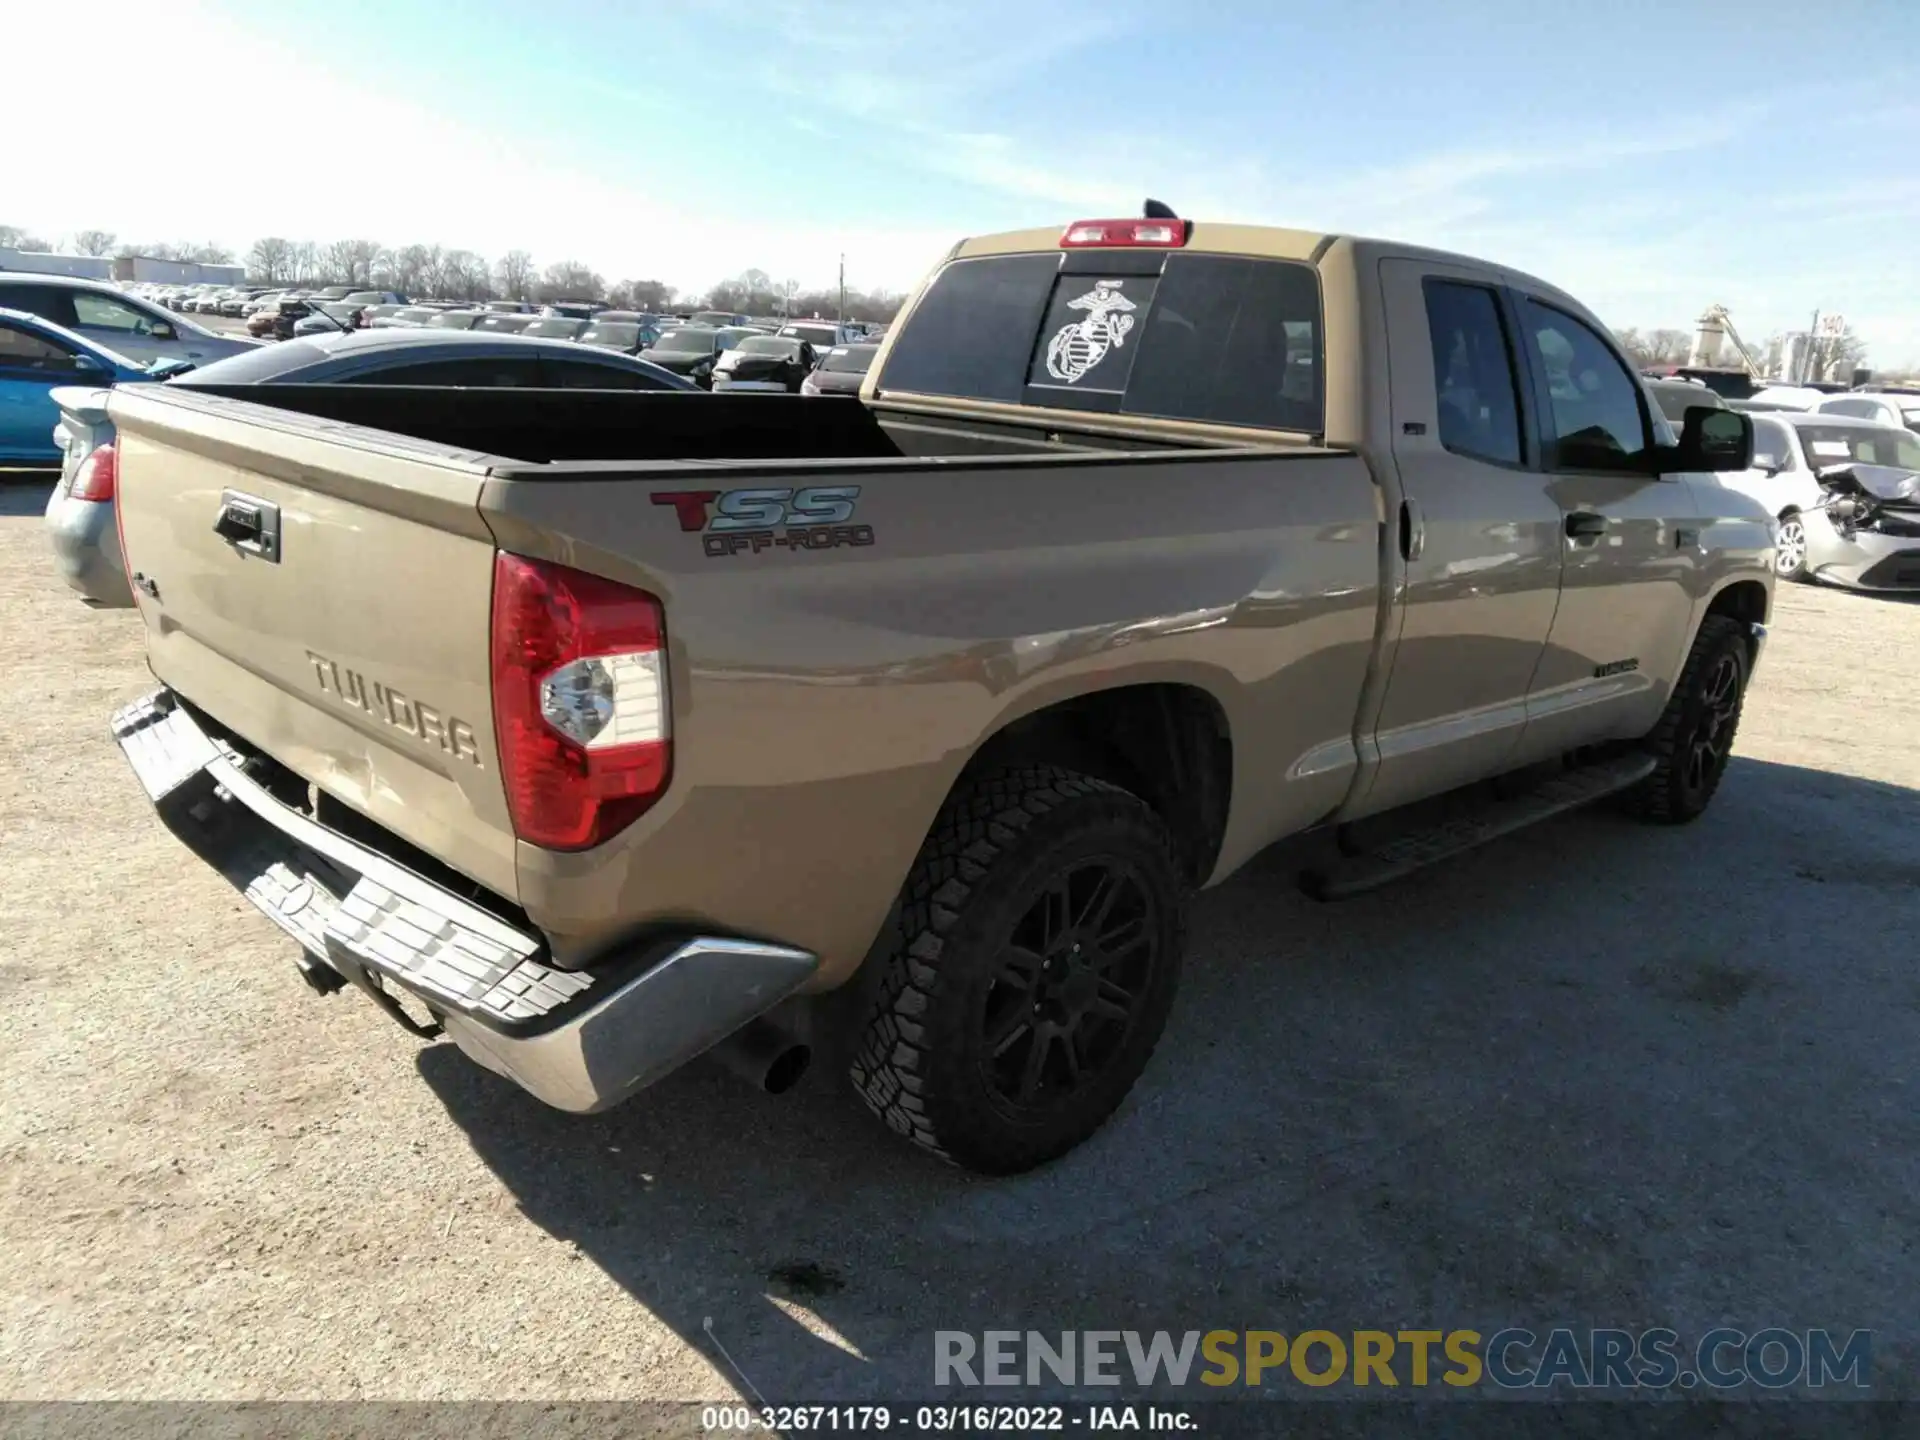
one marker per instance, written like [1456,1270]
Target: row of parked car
[1839,471]
[65,342]
[720,350]
[714,349]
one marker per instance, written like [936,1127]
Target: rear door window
[1473,373]
[1213,338]
[49,302]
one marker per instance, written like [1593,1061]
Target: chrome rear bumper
[580,1040]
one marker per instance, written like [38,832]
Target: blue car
[36,356]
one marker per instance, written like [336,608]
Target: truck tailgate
[325,593]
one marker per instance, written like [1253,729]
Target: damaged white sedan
[1846,495]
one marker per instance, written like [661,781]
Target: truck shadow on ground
[1600,1074]
[26,492]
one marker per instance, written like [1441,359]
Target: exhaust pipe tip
[785,1072]
[765,1056]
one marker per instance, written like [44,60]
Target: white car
[1881,407]
[1863,534]
[123,323]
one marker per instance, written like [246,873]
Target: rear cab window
[1171,335]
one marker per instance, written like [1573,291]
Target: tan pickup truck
[599,730]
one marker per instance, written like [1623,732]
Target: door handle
[1585,525]
[239,522]
[249,523]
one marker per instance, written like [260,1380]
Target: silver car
[1846,496]
[123,323]
[86,542]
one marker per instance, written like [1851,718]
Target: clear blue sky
[1652,158]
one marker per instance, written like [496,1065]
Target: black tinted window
[478,370]
[1594,403]
[49,302]
[580,375]
[972,333]
[1473,373]
[1212,338]
[1231,342]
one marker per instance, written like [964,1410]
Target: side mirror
[163,330]
[1714,440]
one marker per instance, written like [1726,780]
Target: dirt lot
[1602,1075]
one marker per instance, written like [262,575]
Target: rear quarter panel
[824,702]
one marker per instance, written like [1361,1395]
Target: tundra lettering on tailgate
[812,518]
[417,718]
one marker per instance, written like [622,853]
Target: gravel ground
[1604,1075]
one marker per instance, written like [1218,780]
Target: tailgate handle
[249,523]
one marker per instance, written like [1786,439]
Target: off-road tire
[1673,794]
[921,1060]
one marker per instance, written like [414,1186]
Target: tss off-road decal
[812,518]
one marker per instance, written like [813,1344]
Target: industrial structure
[1799,357]
[121,268]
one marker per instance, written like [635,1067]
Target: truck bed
[550,426]
[826,681]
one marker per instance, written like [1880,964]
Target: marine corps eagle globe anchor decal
[1076,349]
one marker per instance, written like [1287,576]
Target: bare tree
[646,295]
[1670,347]
[466,274]
[303,265]
[350,262]
[570,280]
[515,275]
[94,242]
[270,261]
[406,268]
[1838,356]
[433,269]
[209,254]
[1654,347]
[14,238]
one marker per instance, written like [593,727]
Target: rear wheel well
[1168,744]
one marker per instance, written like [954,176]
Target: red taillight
[1094,234]
[579,702]
[98,475]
